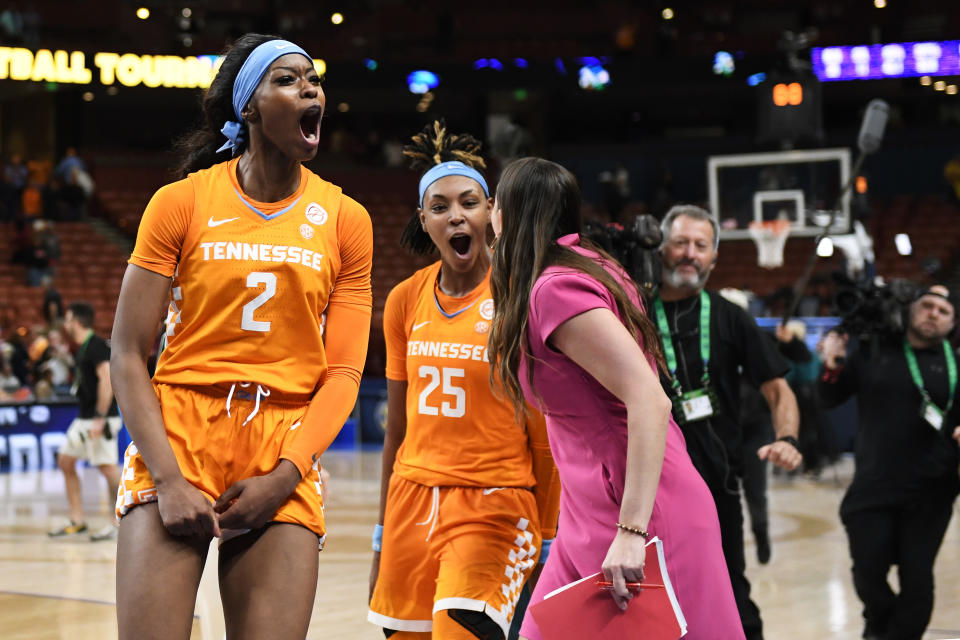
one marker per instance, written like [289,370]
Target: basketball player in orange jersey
[263,272]
[460,528]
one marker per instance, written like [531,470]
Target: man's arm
[786,424]
[104,399]
[766,367]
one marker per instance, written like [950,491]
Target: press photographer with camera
[899,504]
[710,345]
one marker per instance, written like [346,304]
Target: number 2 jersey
[459,433]
[254,282]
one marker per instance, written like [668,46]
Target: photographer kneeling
[898,506]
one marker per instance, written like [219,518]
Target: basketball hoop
[770,237]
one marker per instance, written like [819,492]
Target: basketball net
[770,237]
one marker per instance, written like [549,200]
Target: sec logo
[306,231]
[486,309]
[481,327]
[316,214]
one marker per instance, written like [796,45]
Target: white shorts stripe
[420,626]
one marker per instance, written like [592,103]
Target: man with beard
[898,506]
[710,344]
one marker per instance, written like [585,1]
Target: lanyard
[81,351]
[918,379]
[669,353]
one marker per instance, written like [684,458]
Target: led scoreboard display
[787,94]
[788,108]
[895,60]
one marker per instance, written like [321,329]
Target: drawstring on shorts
[262,392]
[434,513]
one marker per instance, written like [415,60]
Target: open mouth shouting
[310,125]
[461,244]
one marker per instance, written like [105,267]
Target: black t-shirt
[738,349]
[89,356]
[899,456]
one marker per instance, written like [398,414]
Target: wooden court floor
[57,588]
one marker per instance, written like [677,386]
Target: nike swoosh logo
[283,46]
[487,492]
[422,324]
[216,223]
[295,426]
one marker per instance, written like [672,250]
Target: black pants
[754,479]
[730,513]
[755,493]
[908,537]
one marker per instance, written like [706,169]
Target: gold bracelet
[640,532]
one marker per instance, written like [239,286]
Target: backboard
[800,186]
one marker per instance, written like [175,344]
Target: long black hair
[432,146]
[198,149]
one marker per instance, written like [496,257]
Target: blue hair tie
[234,133]
[246,83]
[455,168]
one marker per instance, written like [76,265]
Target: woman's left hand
[251,503]
[624,563]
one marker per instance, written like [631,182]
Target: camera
[635,247]
[873,308]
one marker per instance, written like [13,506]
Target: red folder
[582,610]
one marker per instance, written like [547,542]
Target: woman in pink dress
[571,337]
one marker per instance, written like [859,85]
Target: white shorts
[96,451]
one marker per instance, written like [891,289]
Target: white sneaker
[109,532]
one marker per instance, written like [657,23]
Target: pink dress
[587,428]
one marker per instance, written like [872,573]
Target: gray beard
[677,281]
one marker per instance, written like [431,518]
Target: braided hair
[432,146]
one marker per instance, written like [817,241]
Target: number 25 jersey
[458,432]
[251,280]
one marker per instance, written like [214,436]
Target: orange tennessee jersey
[458,432]
[252,281]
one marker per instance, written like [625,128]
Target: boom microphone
[871,135]
[874,123]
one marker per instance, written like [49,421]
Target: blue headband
[455,168]
[247,81]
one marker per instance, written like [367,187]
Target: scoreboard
[788,108]
[894,60]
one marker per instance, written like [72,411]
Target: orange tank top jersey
[458,432]
[251,280]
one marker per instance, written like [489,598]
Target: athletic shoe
[109,532]
[68,529]
[763,549]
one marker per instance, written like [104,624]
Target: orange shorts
[453,548]
[215,450]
